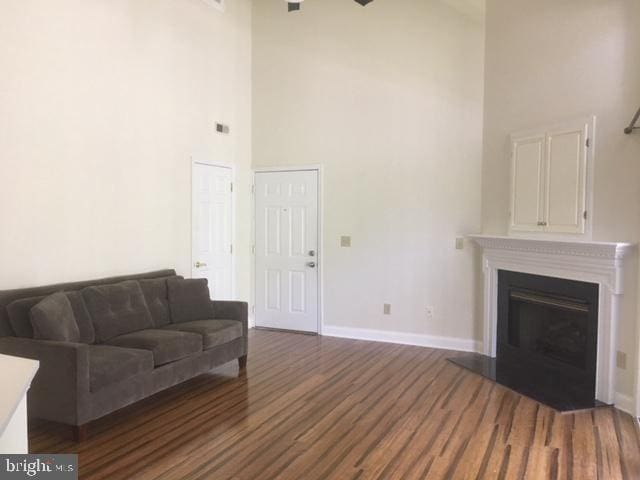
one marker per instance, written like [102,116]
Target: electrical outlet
[621,360]
[459,243]
[387,309]
[430,313]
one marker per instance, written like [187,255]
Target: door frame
[320,253]
[212,163]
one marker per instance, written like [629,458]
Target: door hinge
[253,249]
[253,309]
[584,215]
[231,249]
[231,187]
[588,142]
[253,189]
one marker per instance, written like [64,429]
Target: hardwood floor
[325,408]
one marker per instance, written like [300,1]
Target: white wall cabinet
[549,179]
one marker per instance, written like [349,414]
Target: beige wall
[388,98]
[102,104]
[549,60]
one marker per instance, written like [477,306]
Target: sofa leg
[80,432]
[242,362]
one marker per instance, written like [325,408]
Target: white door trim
[320,257]
[200,161]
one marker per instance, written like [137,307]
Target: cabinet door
[565,201]
[527,188]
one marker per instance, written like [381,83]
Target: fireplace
[549,326]
[573,320]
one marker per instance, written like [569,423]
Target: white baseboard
[625,403]
[446,343]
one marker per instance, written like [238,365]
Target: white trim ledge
[606,250]
[601,263]
[416,339]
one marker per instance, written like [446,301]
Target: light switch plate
[387,309]
[345,241]
[459,243]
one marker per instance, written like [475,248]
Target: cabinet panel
[566,164]
[552,177]
[527,188]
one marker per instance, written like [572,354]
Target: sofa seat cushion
[214,332]
[108,365]
[166,346]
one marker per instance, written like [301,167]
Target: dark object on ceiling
[294,6]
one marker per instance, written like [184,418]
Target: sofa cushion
[83,319]
[189,299]
[53,319]
[108,365]
[166,346]
[19,312]
[117,309]
[214,332]
[157,298]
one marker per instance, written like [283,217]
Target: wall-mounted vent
[218,4]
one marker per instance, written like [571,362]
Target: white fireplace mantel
[594,262]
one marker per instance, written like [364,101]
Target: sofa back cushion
[157,297]
[9,296]
[117,309]
[83,319]
[53,319]
[189,300]
[19,312]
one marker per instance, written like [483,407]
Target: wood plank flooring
[325,408]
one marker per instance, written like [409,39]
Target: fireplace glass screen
[550,324]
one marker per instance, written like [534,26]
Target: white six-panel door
[287,250]
[212,250]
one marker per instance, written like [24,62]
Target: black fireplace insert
[549,323]
[547,336]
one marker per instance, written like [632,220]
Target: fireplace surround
[600,264]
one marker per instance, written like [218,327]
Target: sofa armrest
[238,311]
[60,388]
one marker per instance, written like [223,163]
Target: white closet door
[527,189]
[212,252]
[566,181]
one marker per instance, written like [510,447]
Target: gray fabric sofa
[128,346]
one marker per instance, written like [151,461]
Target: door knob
[312,253]
[200,264]
[311,264]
